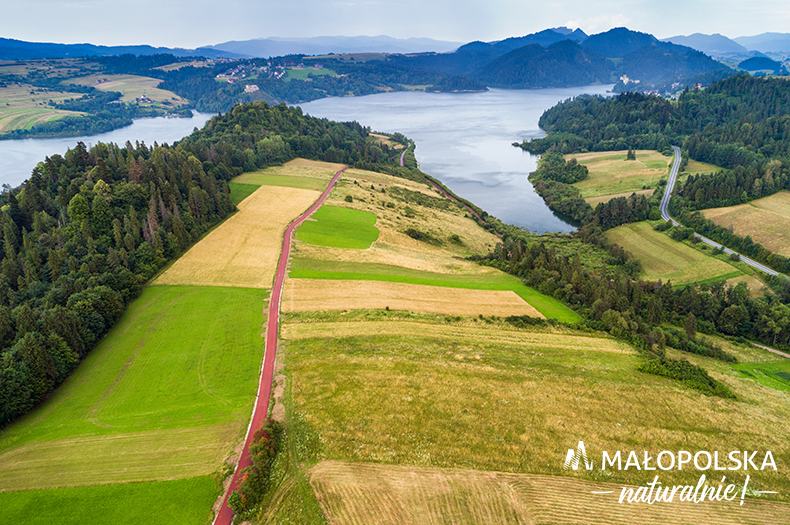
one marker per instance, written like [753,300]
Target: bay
[19,157]
[465,140]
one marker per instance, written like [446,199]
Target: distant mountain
[766,42]
[664,62]
[759,63]
[322,45]
[564,63]
[618,42]
[19,49]
[543,38]
[714,45]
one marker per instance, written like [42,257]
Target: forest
[88,229]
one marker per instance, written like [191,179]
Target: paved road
[261,409]
[673,175]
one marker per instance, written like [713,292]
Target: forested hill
[88,229]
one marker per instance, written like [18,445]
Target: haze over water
[465,140]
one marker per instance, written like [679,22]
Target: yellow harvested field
[308,295]
[594,201]
[493,335]
[131,86]
[370,493]
[386,140]
[93,460]
[244,250]
[310,169]
[766,220]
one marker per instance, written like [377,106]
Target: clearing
[165,395]
[304,73]
[766,220]
[611,174]
[306,295]
[666,259]
[244,250]
[368,493]
[131,87]
[23,105]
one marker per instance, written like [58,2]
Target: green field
[773,374]
[611,174]
[696,167]
[313,269]
[666,259]
[305,72]
[165,395]
[336,227]
[185,501]
[240,191]
[23,105]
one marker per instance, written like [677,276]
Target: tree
[631,155]
[691,326]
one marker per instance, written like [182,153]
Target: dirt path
[777,352]
[225,516]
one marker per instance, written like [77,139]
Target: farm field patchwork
[611,174]
[666,259]
[23,105]
[336,227]
[370,493]
[184,501]
[244,250]
[766,220]
[445,397]
[548,306]
[165,395]
[131,87]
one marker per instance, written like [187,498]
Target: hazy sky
[192,23]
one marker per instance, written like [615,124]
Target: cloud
[598,24]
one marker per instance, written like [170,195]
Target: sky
[194,23]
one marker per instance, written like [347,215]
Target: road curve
[673,175]
[225,515]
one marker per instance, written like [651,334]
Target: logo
[574,457]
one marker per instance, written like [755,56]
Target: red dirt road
[225,516]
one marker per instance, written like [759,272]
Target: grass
[696,167]
[666,259]
[184,501]
[164,395]
[611,174]
[548,306]
[245,249]
[441,396]
[303,73]
[239,191]
[773,374]
[336,227]
[23,105]
[766,220]
[131,87]
[298,173]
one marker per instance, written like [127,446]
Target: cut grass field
[164,396]
[773,374]
[21,109]
[611,174]
[766,220]
[298,173]
[547,306]
[131,87]
[239,192]
[244,250]
[443,396]
[336,227]
[666,259]
[185,501]
[372,494]
[308,295]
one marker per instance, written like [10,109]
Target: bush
[349,198]
[690,375]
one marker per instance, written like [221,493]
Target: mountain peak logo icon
[574,457]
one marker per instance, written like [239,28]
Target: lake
[19,157]
[465,140]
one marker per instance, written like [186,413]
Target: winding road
[261,410]
[673,175]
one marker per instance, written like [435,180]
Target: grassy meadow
[612,175]
[666,259]
[336,227]
[304,73]
[766,220]
[131,87]
[183,501]
[164,396]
